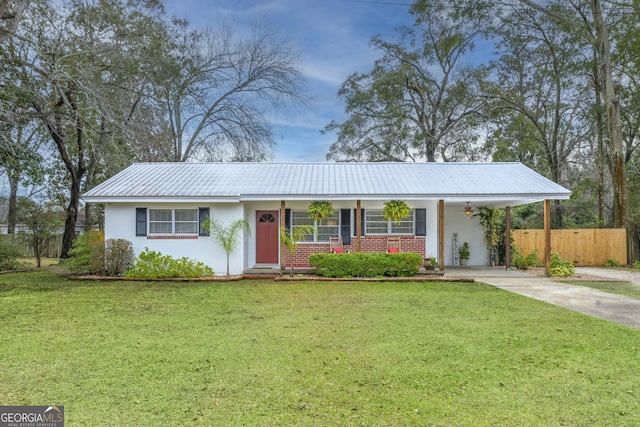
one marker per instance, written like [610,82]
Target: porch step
[264,273]
[261,273]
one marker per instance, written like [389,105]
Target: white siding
[469,230]
[120,222]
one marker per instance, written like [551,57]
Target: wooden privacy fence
[53,250]
[585,247]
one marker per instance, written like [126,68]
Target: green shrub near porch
[366,264]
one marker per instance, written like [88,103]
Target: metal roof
[511,183]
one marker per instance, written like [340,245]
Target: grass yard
[273,353]
[44,262]
[627,289]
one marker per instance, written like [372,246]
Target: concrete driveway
[615,308]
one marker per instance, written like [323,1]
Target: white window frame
[173,222]
[391,226]
[302,217]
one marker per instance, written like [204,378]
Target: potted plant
[463,253]
[430,263]
[320,210]
[395,210]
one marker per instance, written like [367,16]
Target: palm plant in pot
[464,253]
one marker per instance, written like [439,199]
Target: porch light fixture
[467,209]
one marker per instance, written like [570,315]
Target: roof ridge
[328,163]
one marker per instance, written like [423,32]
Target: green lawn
[273,353]
[627,289]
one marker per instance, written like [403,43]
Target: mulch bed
[287,277]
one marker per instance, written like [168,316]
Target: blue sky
[333,38]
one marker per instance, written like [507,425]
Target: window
[329,227]
[186,221]
[376,224]
[160,221]
[299,218]
[173,221]
[404,226]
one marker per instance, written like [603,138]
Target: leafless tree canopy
[224,91]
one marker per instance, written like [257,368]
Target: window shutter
[141,221]
[203,215]
[287,220]
[345,226]
[355,219]
[421,222]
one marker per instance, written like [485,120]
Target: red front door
[267,244]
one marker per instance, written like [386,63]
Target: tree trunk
[431,152]
[612,104]
[600,153]
[13,205]
[557,213]
[71,219]
[76,172]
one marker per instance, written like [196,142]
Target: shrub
[9,253]
[611,263]
[83,259]
[524,262]
[154,265]
[561,267]
[96,258]
[111,257]
[636,264]
[118,255]
[365,264]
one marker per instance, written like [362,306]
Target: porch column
[507,261]
[358,225]
[441,234]
[282,227]
[547,237]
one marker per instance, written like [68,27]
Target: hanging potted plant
[395,210]
[320,210]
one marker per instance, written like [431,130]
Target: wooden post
[358,225]
[507,243]
[441,234]
[547,237]
[282,227]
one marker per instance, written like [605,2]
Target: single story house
[161,206]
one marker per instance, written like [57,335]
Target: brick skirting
[370,244]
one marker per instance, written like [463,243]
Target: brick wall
[368,244]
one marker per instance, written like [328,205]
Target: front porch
[368,244]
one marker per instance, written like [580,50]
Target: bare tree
[221,89]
